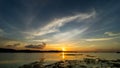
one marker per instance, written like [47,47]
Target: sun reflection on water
[63,55]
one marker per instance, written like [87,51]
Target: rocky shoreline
[85,63]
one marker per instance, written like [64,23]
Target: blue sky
[74,24]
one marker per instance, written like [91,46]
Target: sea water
[14,60]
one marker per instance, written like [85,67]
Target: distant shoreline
[4,50]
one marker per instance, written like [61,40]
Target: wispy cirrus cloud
[99,39]
[56,24]
[111,34]
[66,36]
[1,32]
[63,36]
[41,40]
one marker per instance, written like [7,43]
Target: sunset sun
[63,49]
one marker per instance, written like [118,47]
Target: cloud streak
[2,32]
[111,34]
[56,24]
[66,36]
[41,40]
[99,39]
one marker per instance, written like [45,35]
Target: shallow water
[13,60]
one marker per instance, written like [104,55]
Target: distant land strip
[5,50]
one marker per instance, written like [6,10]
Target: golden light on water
[63,55]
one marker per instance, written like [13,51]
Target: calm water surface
[13,60]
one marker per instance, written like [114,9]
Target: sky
[84,25]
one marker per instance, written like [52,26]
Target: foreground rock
[85,63]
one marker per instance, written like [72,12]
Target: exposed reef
[85,63]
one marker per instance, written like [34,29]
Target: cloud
[65,36]
[105,39]
[42,40]
[1,32]
[56,24]
[99,39]
[13,45]
[35,46]
[111,34]
[43,32]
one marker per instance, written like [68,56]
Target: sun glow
[63,49]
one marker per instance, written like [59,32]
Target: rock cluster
[85,63]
